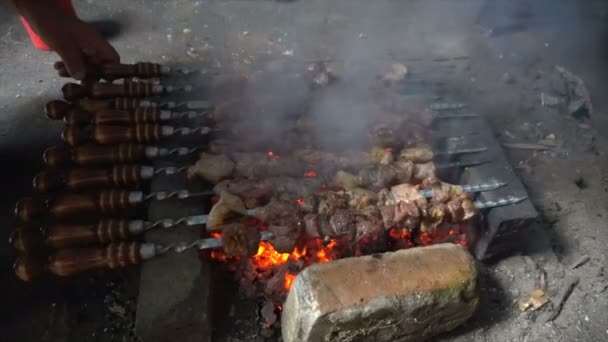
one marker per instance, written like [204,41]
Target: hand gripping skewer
[143,133]
[72,115]
[72,261]
[111,72]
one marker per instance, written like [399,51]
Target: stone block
[408,295]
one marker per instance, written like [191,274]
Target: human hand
[74,41]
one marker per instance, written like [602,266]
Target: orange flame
[289,278]
[310,174]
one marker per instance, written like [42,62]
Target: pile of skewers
[88,199]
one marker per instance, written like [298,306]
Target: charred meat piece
[407,193]
[212,168]
[252,193]
[359,198]
[417,154]
[423,171]
[240,240]
[285,237]
[258,191]
[382,176]
[369,224]
[258,165]
[343,223]
[276,209]
[331,201]
[402,214]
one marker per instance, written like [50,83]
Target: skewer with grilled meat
[331,214]
[216,167]
[381,175]
[255,192]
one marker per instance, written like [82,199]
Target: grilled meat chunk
[285,237]
[417,154]
[227,206]
[240,240]
[330,202]
[212,168]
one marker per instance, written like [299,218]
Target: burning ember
[275,272]
[310,174]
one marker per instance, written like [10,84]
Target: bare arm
[67,35]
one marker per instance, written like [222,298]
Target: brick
[408,295]
[174,302]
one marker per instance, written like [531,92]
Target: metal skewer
[441,106]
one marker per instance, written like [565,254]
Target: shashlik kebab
[236,239]
[411,164]
[96,155]
[104,203]
[65,235]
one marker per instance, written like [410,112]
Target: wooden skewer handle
[92,155]
[59,110]
[97,90]
[112,72]
[68,262]
[62,235]
[64,206]
[118,103]
[79,179]
[109,135]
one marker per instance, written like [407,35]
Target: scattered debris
[268,313]
[192,52]
[396,73]
[187,30]
[525,146]
[118,310]
[288,52]
[362,36]
[561,297]
[579,262]
[579,99]
[549,100]
[538,298]
[584,126]
[581,183]
[244,33]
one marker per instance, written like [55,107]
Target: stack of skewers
[88,198]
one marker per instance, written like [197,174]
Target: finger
[72,57]
[100,50]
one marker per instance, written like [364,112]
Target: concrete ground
[512,48]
